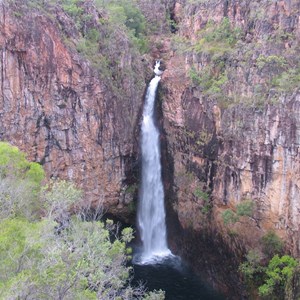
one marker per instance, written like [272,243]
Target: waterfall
[151,213]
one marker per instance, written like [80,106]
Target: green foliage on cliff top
[126,12]
[101,31]
[121,15]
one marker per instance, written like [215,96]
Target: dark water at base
[176,279]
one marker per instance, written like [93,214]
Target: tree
[59,197]
[279,271]
[57,254]
[13,162]
[20,182]
[79,263]
[252,268]
[272,244]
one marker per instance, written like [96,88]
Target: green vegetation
[229,217]
[287,80]
[269,272]
[271,63]
[210,79]
[206,208]
[132,189]
[13,163]
[49,253]
[223,53]
[72,7]
[252,268]
[217,39]
[19,183]
[271,278]
[245,208]
[278,272]
[202,195]
[272,244]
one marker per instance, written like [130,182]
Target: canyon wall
[77,118]
[230,111]
[231,107]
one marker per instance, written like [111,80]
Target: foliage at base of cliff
[49,253]
[268,273]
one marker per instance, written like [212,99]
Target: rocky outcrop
[232,126]
[63,111]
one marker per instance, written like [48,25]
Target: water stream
[151,213]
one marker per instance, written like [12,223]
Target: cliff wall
[231,116]
[75,116]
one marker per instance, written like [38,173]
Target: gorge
[73,77]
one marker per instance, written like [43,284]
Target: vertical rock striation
[231,116]
[61,111]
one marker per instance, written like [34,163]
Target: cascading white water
[151,214]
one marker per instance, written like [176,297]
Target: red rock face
[236,151]
[57,109]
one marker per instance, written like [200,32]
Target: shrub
[13,162]
[287,80]
[252,268]
[272,244]
[229,217]
[217,39]
[211,80]
[278,272]
[71,7]
[272,62]
[79,263]
[202,195]
[206,208]
[245,208]
[19,184]
[59,197]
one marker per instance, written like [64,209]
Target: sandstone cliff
[76,117]
[231,116]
